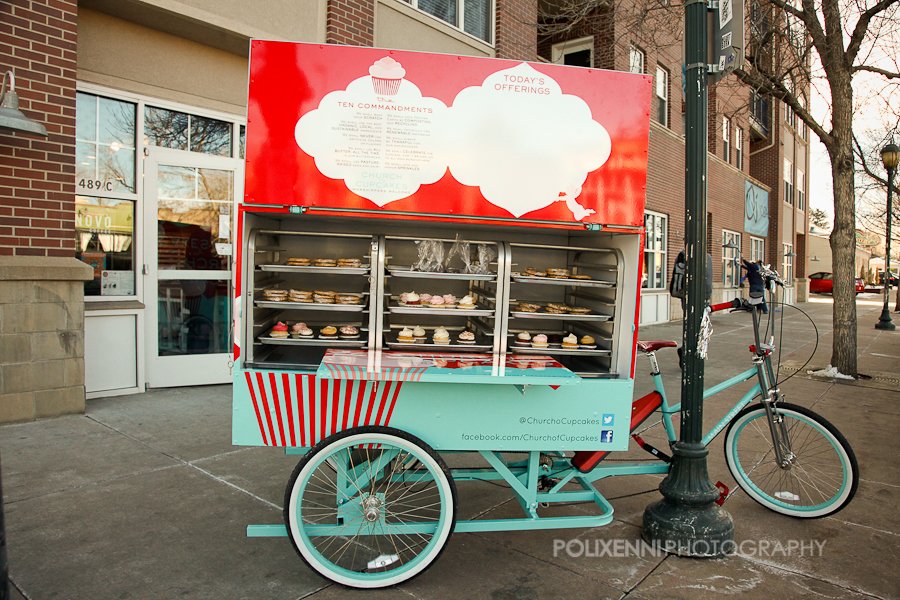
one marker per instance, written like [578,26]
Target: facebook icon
[606,436]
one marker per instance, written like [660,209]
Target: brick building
[145,102]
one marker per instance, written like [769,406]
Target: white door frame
[195,369]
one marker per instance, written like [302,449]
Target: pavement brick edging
[41,337]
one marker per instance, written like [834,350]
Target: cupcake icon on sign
[386,76]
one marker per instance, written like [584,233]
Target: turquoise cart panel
[297,409]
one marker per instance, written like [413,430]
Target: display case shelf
[452,312]
[398,271]
[563,317]
[311,306]
[338,342]
[561,351]
[587,283]
[431,347]
[361,270]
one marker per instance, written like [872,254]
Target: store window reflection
[183,131]
[104,234]
[194,208]
[194,317]
[104,148]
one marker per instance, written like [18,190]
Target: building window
[802,129]
[574,53]
[731,257]
[242,140]
[636,60]
[662,96]
[788,182]
[757,249]
[787,264]
[655,244]
[104,146]
[183,131]
[726,139]
[801,185]
[739,148]
[790,116]
[104,239]
[475,17]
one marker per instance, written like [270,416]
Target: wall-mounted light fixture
[11,118]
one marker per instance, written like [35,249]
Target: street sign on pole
[727,45]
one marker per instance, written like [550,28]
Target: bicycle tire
[349,443]
[804,490]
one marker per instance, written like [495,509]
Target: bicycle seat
[654,345]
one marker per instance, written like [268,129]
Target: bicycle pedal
[724,493]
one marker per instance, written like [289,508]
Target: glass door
[189,200]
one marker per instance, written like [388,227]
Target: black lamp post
[890,154]
[687,520]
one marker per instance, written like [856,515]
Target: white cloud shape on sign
[350,137]
[523,142]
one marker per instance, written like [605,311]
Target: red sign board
[367,129]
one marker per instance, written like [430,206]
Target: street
[144,497]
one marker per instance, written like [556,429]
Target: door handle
[145,270]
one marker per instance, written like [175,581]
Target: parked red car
[822,283]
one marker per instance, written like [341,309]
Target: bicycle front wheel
[821,477]
[370,507]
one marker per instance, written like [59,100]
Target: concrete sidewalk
[144,497]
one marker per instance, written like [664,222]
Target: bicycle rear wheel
[822,476]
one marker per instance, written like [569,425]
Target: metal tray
[458,312]
[564,351]
[565,316]
[336,342]
[393,344]
[361,270]
[398,271]
[563,281]
[311,306]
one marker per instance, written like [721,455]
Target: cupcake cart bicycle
[437,255]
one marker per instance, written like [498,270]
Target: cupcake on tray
[296,328]
[437,302]
[409,299]
[588,342]
[419,333]
[406,336]
[441,337]
[523,340]
[466,337]
[307,334]
[425,299]
[280,330]
[329,332]
[539,341]
[570,342]
[348,332]
[467,302]
[449,300]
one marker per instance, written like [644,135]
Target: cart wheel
[370,507]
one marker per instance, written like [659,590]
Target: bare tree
[792,45]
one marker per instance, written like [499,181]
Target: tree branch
[871,69]
[862,25]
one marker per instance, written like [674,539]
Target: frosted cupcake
[466,303]
[419,333]
[539,341]
[386,76]
[466,337]
[523,339]
[441,336]
[570,342]
[437,302]
[406,336]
